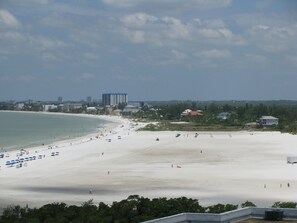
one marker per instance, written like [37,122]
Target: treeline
[240,114]
[134,209]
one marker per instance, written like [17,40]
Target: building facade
[60,99]
[268,121]
[89,99]
[114,99]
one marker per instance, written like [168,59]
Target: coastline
[112,122]
[213,167]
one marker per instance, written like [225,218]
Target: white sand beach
[213,167]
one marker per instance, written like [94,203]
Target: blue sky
[150,49]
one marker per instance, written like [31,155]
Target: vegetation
[133,209]
[248,204]
[240,114]
[284,205]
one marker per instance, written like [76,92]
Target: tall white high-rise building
[114,99]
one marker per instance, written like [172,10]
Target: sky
[149,49]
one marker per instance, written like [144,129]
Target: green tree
[284,205]
[220,208]
[248,204]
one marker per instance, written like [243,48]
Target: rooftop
[244,215]
[268,117]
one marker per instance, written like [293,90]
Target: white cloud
[226,33]
[173,32]
[7,19]
[215,33]
[49,57]
[212,23]
[262,27]
[176,28]
[249,20]
[135,36]
[209,24]
[46,43]
[143,28]
[119,3]
[12,36]
[90,37]
[209,33]
[273,39]
[138,19]
[197,21]
[214,54]
[42,2]
[172,4]
[178,55]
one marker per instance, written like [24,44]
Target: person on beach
[90,191]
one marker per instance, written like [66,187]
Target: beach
[107,166]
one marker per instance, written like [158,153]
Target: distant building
[116,112]
[114,99]
[71,107]
[266,121]
[49,107]
[91,110]
[19,106]
[130,109]
[60,99]
[224,115]
[30,101]
[189,112]
[89,99]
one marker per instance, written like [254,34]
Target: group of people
[281,185]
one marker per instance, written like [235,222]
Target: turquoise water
[23,130]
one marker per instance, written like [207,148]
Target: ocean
[22,130]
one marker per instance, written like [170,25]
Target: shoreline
[213,167]
[112,123]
